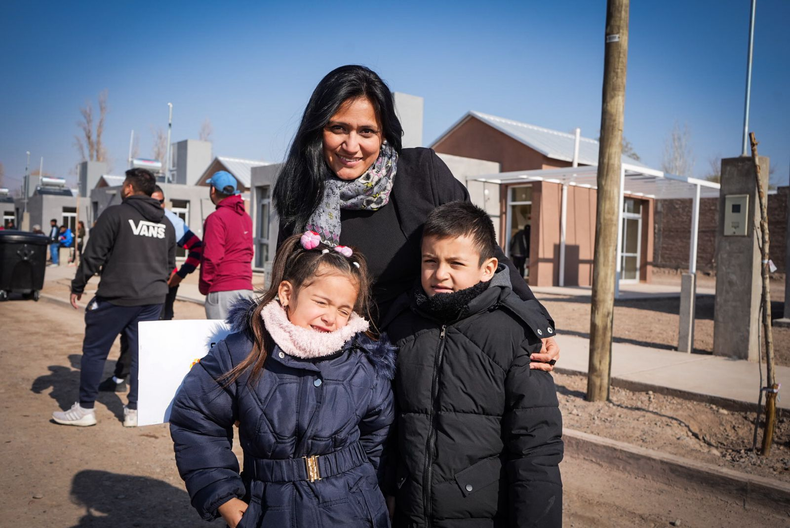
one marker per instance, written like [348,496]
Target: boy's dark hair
[158,189]
[457,219]
[141,180]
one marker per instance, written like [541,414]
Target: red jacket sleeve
[213,250]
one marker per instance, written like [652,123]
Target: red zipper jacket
[226,262]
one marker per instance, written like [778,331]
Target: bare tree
[90,143]
[628,150]
[206,130]
[678,155]
[159,150]
[714,169]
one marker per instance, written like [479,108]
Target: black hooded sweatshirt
[133,245]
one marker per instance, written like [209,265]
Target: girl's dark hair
[300,267]
[300,184]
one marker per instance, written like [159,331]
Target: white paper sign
[168,350]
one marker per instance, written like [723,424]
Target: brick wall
[673,232]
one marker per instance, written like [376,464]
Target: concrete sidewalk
[704,377]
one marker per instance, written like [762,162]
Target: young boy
[479,433]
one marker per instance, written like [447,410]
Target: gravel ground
[693,430]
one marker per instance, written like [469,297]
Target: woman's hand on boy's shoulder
[548,356]
[232,511]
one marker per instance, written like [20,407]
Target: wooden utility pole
[772,388]
[607,212]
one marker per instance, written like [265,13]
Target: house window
[69,218]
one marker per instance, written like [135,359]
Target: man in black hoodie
[133,245]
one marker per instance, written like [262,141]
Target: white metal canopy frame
[635,180]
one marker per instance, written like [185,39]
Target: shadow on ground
[65,384]
[112,500]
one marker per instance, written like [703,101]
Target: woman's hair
[300,184]
[300,267]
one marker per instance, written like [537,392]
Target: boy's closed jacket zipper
[429,448]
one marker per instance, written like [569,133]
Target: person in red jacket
[226,262]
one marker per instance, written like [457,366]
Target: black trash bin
[23,260]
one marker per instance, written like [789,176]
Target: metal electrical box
[736,214]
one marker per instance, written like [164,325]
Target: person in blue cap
[226,262]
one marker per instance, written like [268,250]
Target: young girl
[311,393]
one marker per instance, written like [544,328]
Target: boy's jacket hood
[146,206]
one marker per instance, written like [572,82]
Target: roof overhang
[638,181]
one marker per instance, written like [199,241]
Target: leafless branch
[159,149]
[678,154]
[206,130]
[101,151]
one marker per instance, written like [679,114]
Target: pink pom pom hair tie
[310,240]
[344,250]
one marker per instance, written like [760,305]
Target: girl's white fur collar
[307,343]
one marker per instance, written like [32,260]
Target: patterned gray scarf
[371,191]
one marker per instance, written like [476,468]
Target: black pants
[103,322]
[123,367]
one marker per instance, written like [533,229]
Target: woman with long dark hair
[348,178]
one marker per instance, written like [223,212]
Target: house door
[632,240]
[519,221]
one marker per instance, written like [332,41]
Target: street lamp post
[745,151]
[167,156]
[26,184]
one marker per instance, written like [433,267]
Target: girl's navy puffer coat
[339,408]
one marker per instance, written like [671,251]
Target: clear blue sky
[250,67]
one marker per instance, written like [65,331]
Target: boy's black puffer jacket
[479,434]
[337,405]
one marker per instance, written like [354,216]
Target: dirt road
[109,476]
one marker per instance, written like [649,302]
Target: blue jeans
[53,250]
[103,322]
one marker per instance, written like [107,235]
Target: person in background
[66,240]
[80,239]
[134,246]
[37,230]
[186,239]
[54,243]
[226,263]
[519,248]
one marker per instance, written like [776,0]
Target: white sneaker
[75,416]
[129,417]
